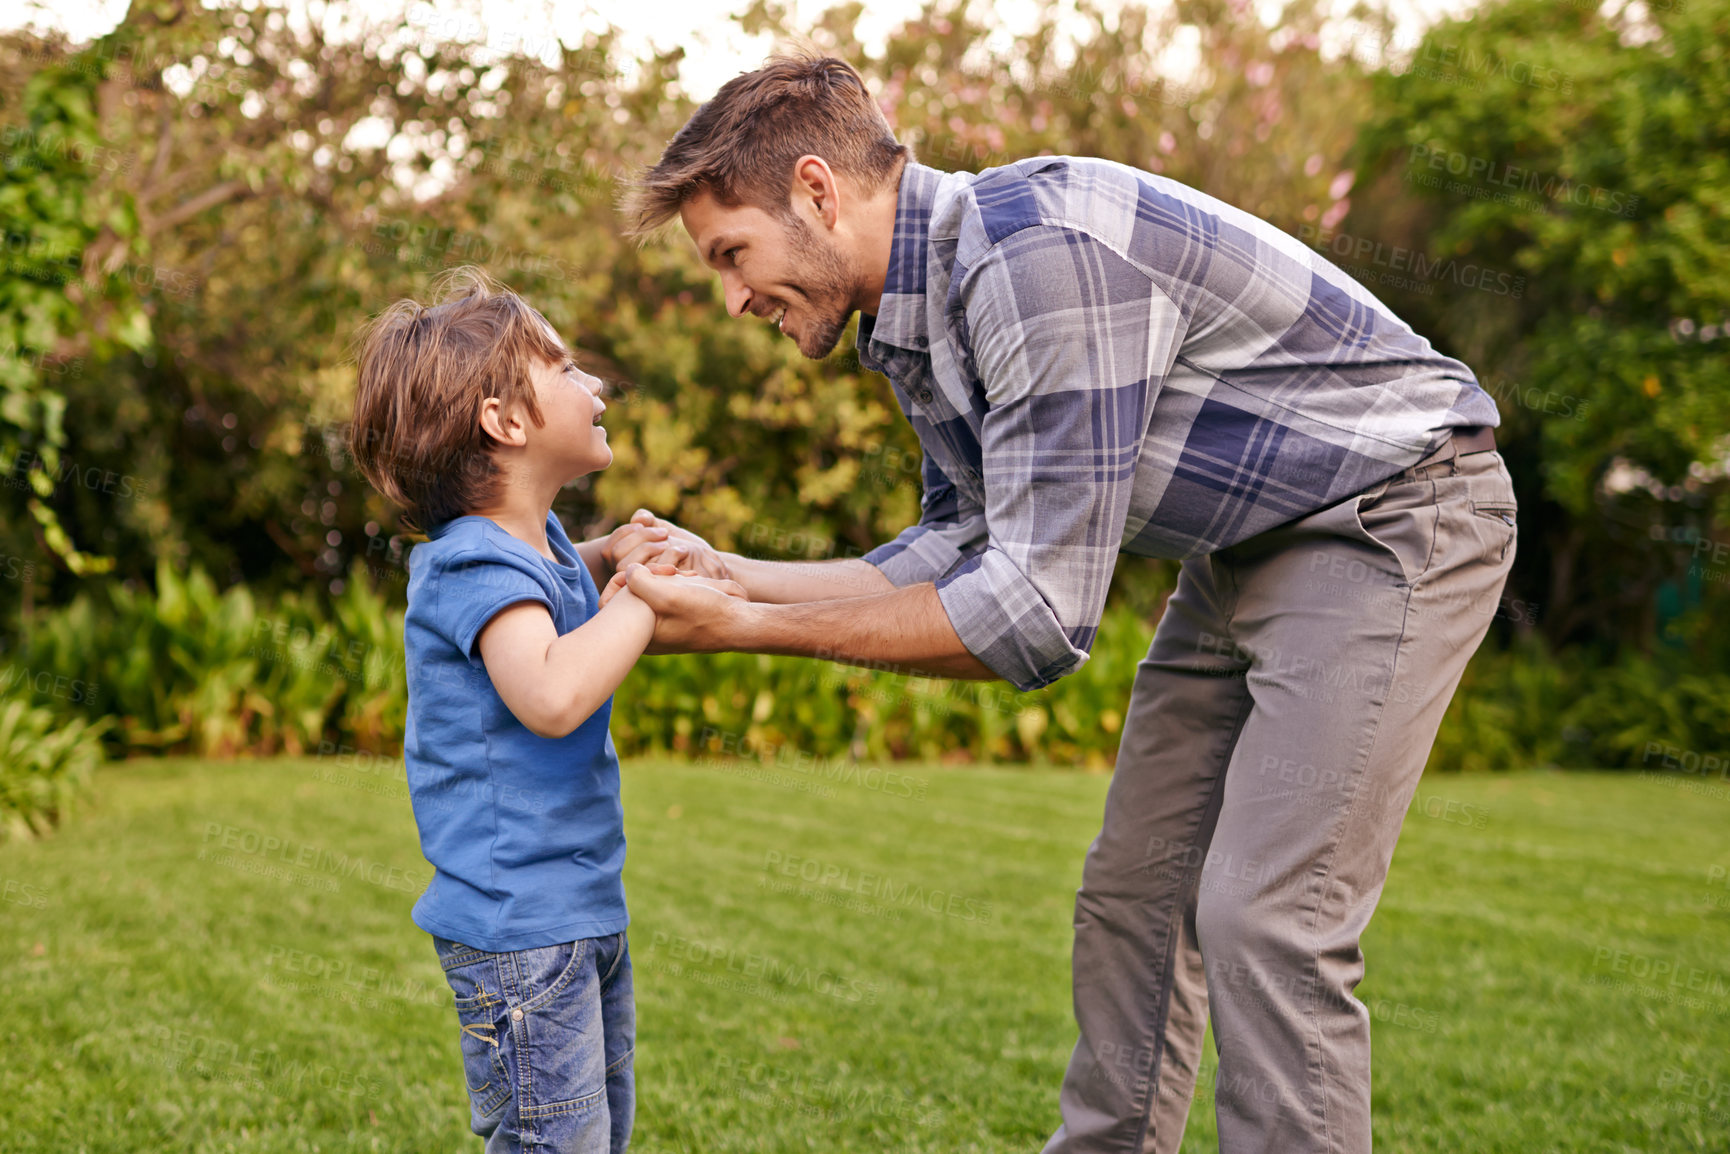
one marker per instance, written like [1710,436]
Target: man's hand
[906,630]
[711,586]
[692,613]
[647,538]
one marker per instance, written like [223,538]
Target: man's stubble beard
[828,283]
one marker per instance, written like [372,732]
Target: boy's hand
[637,541]
[617,584]
[647,538]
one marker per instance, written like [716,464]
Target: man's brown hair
[742,145]
[424,372]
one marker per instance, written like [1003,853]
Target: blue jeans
[547,1038]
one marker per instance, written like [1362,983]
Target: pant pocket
[1495,512]
[1388,522]
[484,1022]
[1502,529]
[562,1036]
[1504,511]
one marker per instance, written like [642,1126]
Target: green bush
[193,670]
[189,669]
[779,708]
[45,764]
[1529,706]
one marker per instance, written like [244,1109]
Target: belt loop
[1453,455]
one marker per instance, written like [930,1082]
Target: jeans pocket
[618,1005]
[562,1034]
[544,972]
[611,954]
[484,1021]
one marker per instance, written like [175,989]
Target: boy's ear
[504,424]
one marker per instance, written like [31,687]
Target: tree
[286,177]
[53,319]
[1584,155]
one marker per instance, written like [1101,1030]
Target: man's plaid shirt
[1096,360]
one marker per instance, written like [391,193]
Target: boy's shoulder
[472,568]
[474,558]
[473,539]
[470,554]
[454,540]
[466,543]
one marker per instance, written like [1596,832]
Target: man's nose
[738,296]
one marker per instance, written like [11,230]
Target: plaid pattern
[1096,360]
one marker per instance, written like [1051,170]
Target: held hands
[646,539]
[692,614]
[679,576]
[710,587]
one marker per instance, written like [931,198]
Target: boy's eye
[732,253]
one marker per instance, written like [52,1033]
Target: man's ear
[815,187]
[504,425]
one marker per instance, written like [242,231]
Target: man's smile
[776,313]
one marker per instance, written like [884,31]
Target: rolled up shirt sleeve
[951,528]
[1071,342]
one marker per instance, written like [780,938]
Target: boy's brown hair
[742,145]
[424,371]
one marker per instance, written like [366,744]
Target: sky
[716,48]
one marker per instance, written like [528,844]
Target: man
[1099,360]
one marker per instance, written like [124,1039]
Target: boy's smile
[570,401]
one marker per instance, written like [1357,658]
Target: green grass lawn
[1550,969]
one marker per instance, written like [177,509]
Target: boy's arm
[595,556]
[553,684]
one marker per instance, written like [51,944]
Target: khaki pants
[1278,728]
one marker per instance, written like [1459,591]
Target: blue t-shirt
[525,834]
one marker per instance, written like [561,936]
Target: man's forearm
[905,629]
[792,582]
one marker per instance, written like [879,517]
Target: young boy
[471,416]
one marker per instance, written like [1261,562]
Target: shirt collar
[900,320]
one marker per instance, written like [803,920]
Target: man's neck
[877,242]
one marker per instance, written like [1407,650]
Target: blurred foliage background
[201,206]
